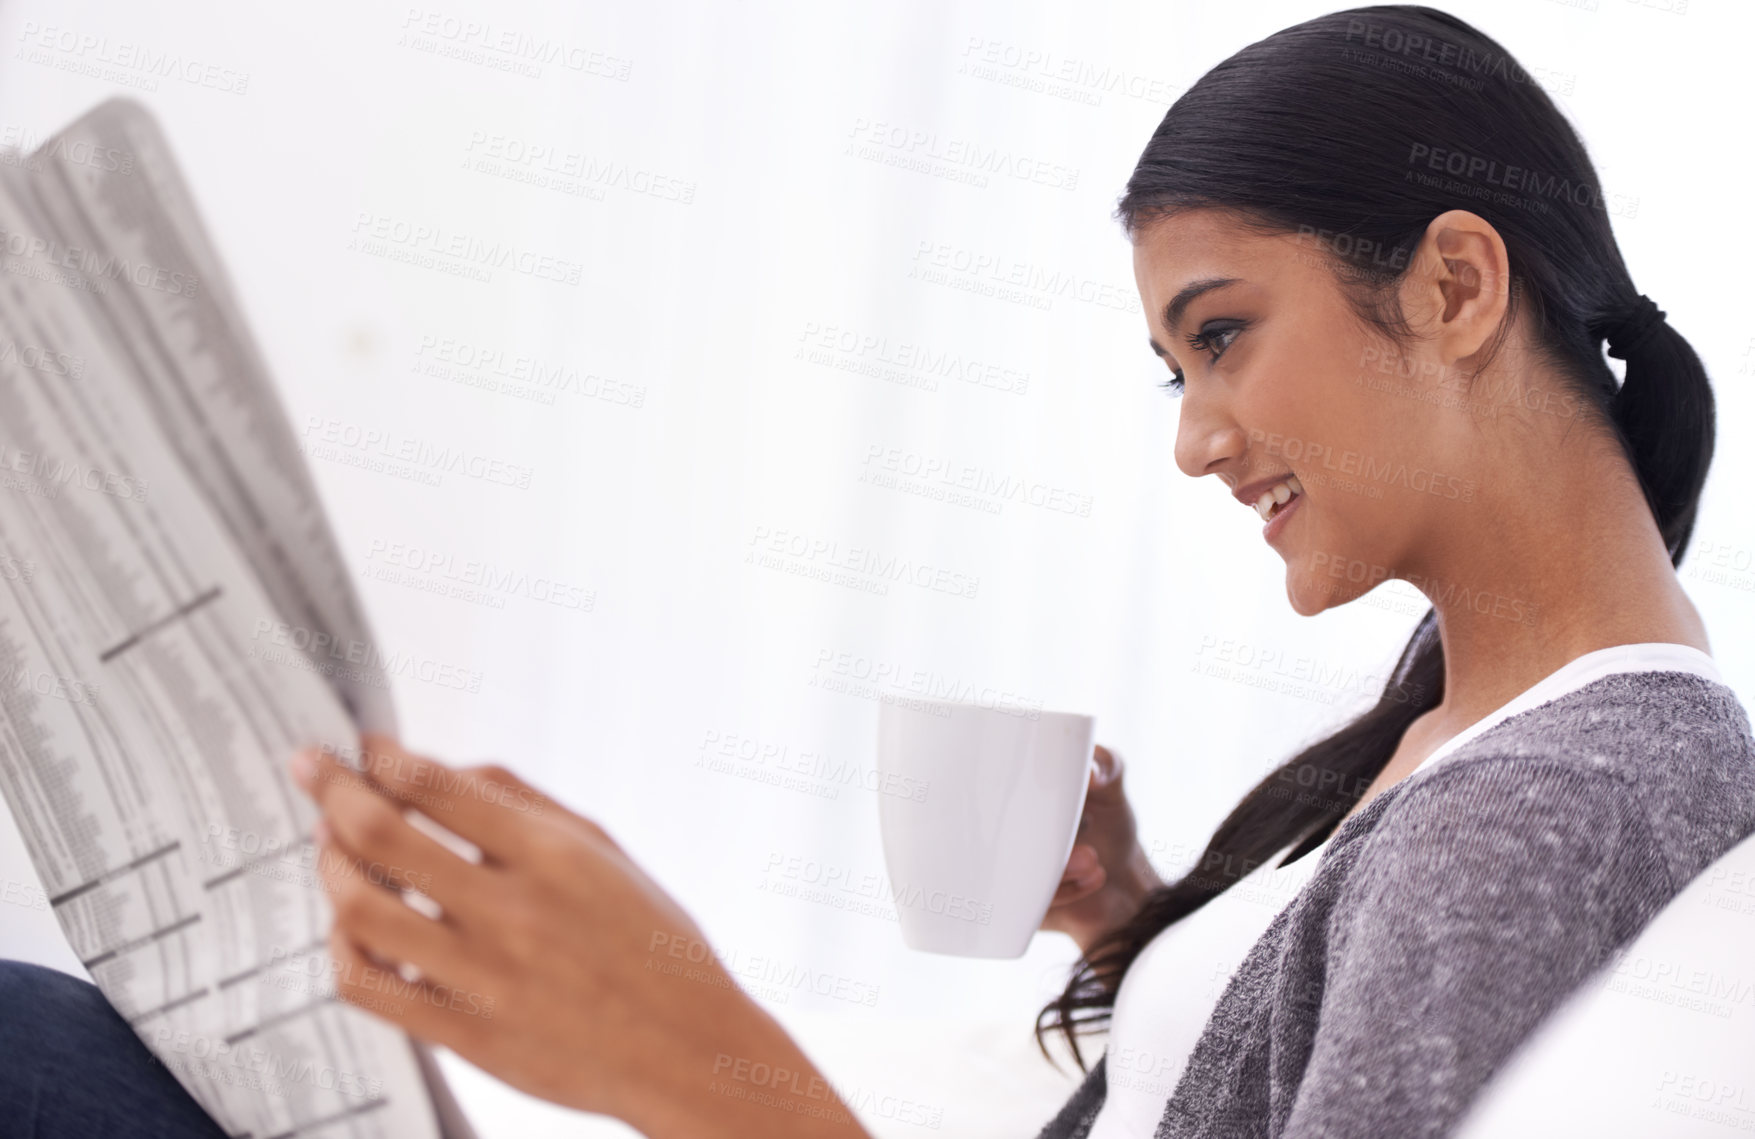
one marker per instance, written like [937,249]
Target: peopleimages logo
[956,158]
[102,267]
[816,771]
[33,151]
[25,895]
[1441,593]
[118,61]
[779,1087]
[378,987]
[247,1063]
[16,678]
[1360,465]
[900,361]
[414,777]
[895,681]
[830,883]
[819,557]
[774,977]
[1488,171]
[481,576]
[504,48]
[48,475]
[432,246]
[374,448]
[901,467]
[517,375]
[37,358]
[1006,279]
[1050,73]
[555,166]
[313,643]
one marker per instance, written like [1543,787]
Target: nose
[1207,438]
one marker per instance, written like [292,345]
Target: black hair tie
[1634,327]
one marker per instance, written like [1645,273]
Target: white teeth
[1279,493]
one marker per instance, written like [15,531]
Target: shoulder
[1543,818]
[1638,723]
[1502,862]
[1664,758]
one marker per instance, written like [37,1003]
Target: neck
[1524,587]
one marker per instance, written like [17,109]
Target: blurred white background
[774,356]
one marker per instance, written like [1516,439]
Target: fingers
[487,805]
[1072,890]
[377,923]
[419,1007]
[1082,862]
[1106,767]
[370,849]
[392,852]
[1105,779]
[1084,876]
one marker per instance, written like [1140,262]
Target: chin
[1310,591]
[1308,601]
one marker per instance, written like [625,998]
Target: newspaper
[175,619]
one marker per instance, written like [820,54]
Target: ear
[1458,289]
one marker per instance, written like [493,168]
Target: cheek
[1308,418]
[1326,413]
[1346,411]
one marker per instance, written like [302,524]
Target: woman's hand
[552,962]
[1107,874]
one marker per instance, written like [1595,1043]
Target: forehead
[1171,254]
[1201,243]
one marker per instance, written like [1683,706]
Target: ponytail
[1665,417]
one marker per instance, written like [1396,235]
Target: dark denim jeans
[72,1068]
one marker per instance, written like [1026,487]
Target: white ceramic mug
[978,812]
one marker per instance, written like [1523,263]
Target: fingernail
[304,767]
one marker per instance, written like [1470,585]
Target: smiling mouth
[1275,499]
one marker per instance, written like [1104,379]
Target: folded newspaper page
[175,619]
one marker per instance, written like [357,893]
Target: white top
[1172,986]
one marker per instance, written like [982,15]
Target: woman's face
[1282,379]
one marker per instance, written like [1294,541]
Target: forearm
[737,1075]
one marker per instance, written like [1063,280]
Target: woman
[1372,255]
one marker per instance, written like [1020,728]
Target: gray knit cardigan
[1456,909]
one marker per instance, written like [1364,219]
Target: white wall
[796,222]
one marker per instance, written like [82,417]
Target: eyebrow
[1172,314]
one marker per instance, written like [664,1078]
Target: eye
[1209,335]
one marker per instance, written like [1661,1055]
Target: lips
[1273,498]
[1280,515]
